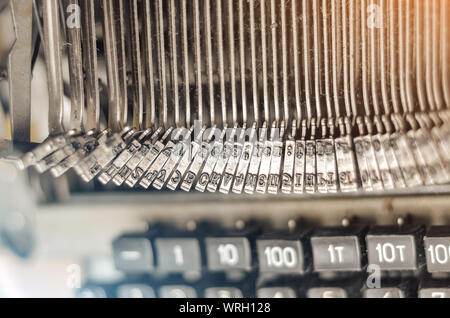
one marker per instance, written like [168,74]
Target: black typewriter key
[390,287]
[437,249]
[276,292]
[434,288]
[223,292]
[337,249]
[326,292]
[434,293]
[133,254]
[280,256]
[228,253]
[395,248]
[177,291]
[135,291]
[91,292]
[178,254]
[389,292]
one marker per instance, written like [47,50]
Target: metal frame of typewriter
[189,65]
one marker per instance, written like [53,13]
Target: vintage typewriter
[225,148]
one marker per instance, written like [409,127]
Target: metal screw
[400,221]
[345,222]
[191,225]
[240,224]
[292,224]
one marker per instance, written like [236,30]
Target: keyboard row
[338,249]
[292,290]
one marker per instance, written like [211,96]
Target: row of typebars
[166,63]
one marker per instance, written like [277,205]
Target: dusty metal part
[52,32]
[112,65]
[19,70]
[73,34]
[91,65]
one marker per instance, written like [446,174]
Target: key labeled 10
[437,252]
[437,249]
[228,253]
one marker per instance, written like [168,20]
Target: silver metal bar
[110,43]
[316,58]
[19,70]
[187,82]
[264,60]
[276,90]
[335,64]
[136,61]
[232,53]
[223,97]
[364,60]
[37,20]
[384,59]
[401,55]
[52,30]
[73,34]
[150,113]
[242,49]
[91,65]
[445,47]
[375,64]
[326,58]
[254,64]
[420,82]
[354,56]
[209,63]
[435,43]
[63,21]
[198,60]
[393,53]
[295,48]
[284,46]
[306,59]
[345,58]
[122,64]
[162,61]
[174,60]
[410,98]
